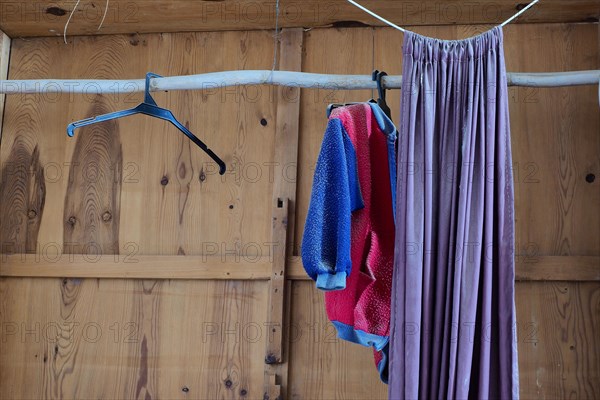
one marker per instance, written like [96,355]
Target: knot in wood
[107,216]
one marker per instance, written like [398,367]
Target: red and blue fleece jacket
[348,242]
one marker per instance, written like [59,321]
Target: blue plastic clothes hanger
[148,107]
[376,75]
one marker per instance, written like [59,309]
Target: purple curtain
[453,314]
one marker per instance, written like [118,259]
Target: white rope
[519,13]
[376,16]
[69,20]
[275,37]
[104,16]
[379,17]
[216,80]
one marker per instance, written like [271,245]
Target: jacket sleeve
[335,194]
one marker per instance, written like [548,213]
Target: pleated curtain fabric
[453,313]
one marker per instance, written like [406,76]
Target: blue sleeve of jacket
[335,194]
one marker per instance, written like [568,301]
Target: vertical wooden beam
[288,121]
[284,199]
[276,312]
[275,321]
[4,58]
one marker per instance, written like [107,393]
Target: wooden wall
[136,193]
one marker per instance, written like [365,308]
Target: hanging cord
[69,20]
[404,30]
[104,16]
[275,41]
[519,13]
[73,12]
[376,16]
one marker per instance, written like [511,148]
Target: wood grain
[22,198]
[20,19]
[555,143]
[172,202]
[92,207]
[206,337]
[558,325]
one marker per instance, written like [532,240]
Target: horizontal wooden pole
[215,80]
[541,268]
[138,267]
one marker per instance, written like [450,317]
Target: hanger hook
[376,76]
[147,97]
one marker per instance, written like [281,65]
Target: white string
[519,13]
[104,16]
[376,16]
[404,30]
[275,40]
[69,20]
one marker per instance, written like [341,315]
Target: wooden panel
[125,339]
[555,143]
[123,16]
[174,205]
[138,188]
[172,199]
[558,326]
[324,366]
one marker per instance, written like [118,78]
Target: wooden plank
[559,268]
[144,16]
[285,162]
[288,127]
[275,314]
[558,325]
[540,268]
[132,266]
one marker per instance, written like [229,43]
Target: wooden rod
[215,80]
